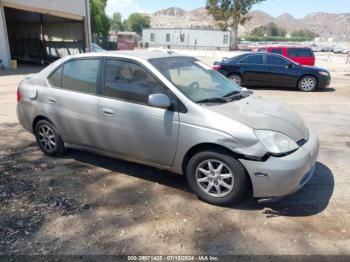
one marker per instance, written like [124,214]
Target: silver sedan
[172,112]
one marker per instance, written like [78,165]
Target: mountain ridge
[322,23]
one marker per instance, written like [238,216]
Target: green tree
[136,22]
[100,23]
[117,22]
[268,30]
[273,30]
[305,33]
[231,13]
[259,31]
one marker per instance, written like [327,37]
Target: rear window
[253,59]
[300,52]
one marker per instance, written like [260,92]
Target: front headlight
[323,73]
[276,143]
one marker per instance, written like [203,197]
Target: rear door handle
[108,112]
[52,100]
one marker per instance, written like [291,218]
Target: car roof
[135,55]
[281,46]
[143,54]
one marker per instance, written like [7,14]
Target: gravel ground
[83,203]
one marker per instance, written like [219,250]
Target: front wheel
[307,84]
[48,138]
[216,177]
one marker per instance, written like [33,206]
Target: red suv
[301,55]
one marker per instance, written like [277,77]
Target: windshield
[96,47]
[195,79]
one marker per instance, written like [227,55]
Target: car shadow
[310,200]
[291,89]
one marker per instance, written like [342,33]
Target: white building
[42,30]
[186,38]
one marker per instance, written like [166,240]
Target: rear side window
[275,60]
[129,81]
[300,52]
[253,59]
[55,79]
[81,75]
[276,51]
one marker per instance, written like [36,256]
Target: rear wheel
[216,177]
[307,84]
[48,138]
[236,78]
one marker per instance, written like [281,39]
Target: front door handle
[52,100]
[108,112]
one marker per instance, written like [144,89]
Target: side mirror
[159,100]
[289,66]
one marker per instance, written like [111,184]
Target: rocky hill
[325,24]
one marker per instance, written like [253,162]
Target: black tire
[236,78]
[307,83]
[238,172]
[51,134]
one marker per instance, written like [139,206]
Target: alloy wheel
[215,178]
[307,84]
[47,138]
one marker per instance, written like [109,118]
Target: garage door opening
[36,38]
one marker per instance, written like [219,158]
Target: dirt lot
[89,204]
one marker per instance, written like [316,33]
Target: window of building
[129,81]
[168,37]
[152,37]
[182,38]
[225,39]
[55,79]
[81,75]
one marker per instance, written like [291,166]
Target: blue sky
[297,8]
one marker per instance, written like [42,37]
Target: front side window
[152,37]
[253,59]
[129,81]
[194,79]
[81,75]
[275,60]
[168,37]
[55,79]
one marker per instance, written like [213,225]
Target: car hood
[263,113]
[315,68]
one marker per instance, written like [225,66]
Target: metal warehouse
[39,31]
[186,38]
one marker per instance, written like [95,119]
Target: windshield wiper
[237,95]
[232,93]
[213,100]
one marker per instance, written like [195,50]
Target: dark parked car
[264,69]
